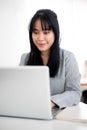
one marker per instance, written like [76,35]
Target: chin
[42,49]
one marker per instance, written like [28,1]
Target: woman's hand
[53,104]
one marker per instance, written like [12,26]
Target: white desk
[30,124]
[7,123]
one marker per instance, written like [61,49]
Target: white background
[14,19]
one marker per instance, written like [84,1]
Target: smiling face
[42,38]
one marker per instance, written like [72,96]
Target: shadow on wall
[84,96]
[84,92]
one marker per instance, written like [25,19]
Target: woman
[64,73]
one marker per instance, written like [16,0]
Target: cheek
[51,39]
[33,38]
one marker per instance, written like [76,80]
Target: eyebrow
[35,29]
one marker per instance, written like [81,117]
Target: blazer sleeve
[72,93]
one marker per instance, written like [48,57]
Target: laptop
[25,92]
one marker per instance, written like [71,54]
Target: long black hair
[48,22]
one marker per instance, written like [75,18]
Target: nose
[41,37]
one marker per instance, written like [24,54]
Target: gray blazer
[65,86]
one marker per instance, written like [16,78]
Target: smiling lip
[41,44]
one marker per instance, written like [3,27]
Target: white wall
[16,14]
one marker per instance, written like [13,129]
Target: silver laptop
[25,92]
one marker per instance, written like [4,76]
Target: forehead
[42,24]
[37,24]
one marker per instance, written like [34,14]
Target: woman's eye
[46,32]
[35,32]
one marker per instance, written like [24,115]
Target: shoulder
[66,55]
[68,59]
[24,58]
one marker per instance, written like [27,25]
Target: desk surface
[30,124]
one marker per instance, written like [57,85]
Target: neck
[45,57]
